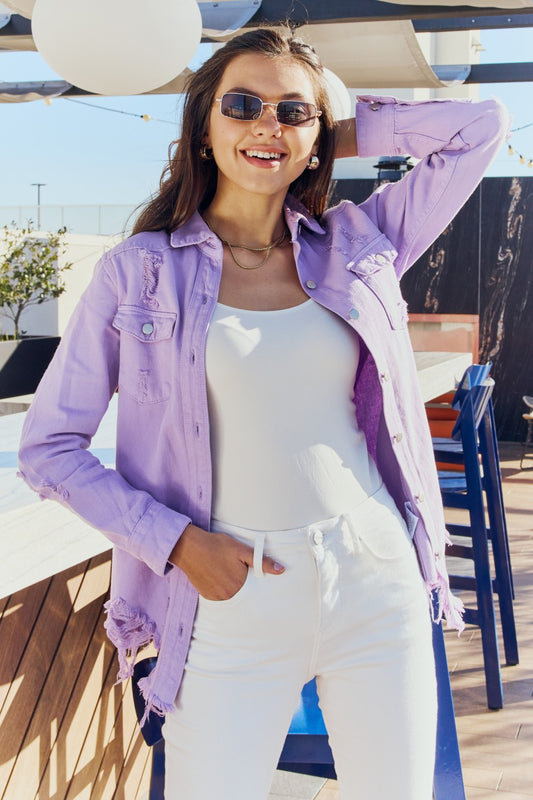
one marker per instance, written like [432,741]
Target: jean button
[318,537]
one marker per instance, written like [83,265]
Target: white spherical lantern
[120,47]
[338,96]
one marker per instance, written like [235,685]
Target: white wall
[50,318]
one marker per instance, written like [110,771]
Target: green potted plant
[30,275]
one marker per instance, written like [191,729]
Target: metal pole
[38,185]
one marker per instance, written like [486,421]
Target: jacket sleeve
[67,408]
[455,140]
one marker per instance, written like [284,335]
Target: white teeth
[261,154]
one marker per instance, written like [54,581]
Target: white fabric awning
[31,90]
[377,54]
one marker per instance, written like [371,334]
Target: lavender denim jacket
[142,325]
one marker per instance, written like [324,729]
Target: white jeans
[352,610]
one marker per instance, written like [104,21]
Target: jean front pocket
[236,598]
[146,339]
[385,534]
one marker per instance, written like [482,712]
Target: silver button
[354,313]
[318,537]
[375,106]
[310,284]
[385,376]
[398,437]
[147,328]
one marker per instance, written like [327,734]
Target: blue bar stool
[529,436]
[474,439]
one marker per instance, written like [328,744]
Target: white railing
[106,220]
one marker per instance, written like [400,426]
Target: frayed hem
[154,704]
[445,605]
[129,630]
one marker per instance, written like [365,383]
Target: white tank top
[286,448]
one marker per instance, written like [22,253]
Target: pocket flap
[378,254]
[144,324]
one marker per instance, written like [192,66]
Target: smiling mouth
[263,155]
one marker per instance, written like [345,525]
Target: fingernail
[278,567]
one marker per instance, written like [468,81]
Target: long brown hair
[188,183]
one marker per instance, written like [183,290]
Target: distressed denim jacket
[142,324]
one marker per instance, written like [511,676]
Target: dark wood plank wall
[481,264]
[67,732]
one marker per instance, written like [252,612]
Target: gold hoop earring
[206,153]
[313,163]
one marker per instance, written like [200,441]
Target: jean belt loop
[259,546]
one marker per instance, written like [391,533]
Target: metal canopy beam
[301,12]
[425,18]
[501,73]
[479,73]
[503,22]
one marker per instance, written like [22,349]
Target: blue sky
[85,155]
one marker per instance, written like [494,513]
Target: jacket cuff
[155,536]
[375,126]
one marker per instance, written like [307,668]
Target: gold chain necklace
[266,250]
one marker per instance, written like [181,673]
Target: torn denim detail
[444,604]
[47,490]
[129,630]
[50,492]
[152,263]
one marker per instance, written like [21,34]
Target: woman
[274,466]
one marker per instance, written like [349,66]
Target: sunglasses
[248,107]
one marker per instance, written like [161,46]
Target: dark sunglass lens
[252,106]
[292,112]
[240,106]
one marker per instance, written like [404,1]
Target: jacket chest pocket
[146,350]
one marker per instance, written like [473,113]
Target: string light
[521,158]
[511,151]
[144,117]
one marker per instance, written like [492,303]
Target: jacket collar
[296,214]
[194,231]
